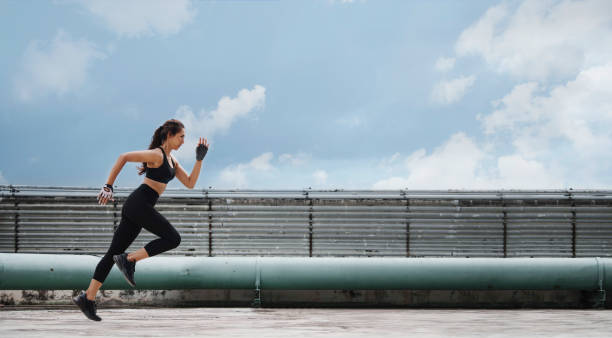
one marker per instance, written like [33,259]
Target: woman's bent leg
[159,225]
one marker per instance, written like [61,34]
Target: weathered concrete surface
[250,322]
[490,299]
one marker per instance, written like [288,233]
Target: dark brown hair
[171,128]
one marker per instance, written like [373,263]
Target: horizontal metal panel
[360,222]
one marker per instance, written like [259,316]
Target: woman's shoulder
[148,155]
[173,159]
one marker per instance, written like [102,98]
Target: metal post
[16,226]
[210,231]
[403,193]
[16,229]
[573,220]
[505,222]
[310,228]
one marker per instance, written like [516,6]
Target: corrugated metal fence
[401,223]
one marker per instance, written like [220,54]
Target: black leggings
[138,212]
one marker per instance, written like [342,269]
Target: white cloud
[538,40]
[234,177]
[452,165]
[578,113]
[207,124]
[460,163]
[515,171]
[262,162]
[447,92]
[136,18]
[560,136]
[516,107]
[56,67]
[237,176]
[3,180]
[444,64]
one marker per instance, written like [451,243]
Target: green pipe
[69,272]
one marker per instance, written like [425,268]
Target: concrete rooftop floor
[305,322]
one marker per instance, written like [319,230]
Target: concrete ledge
[500,299]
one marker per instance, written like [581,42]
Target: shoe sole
[123,271]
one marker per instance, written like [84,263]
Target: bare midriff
[157,186]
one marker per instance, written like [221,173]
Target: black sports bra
[164,173]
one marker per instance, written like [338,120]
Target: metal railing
[399,223]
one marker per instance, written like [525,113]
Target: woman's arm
[190,180]
[151,156]
[116,169]
[133,156]
[193,177]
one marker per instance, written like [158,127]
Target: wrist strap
[109,186]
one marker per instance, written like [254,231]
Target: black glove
[201,151]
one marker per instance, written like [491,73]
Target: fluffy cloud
[514,171]
[538,40]
[461,163]
[142,17]
[578,113]
[561,136]
[447,92]
[208,123]
[452,165]
[56,67]
[558,124]
[3,180]
[237,176]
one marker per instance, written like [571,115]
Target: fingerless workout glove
[201,151]
[106,193]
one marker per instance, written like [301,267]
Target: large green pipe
[68,272]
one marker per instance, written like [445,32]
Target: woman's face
[177,140]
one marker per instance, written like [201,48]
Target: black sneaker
[87,306]
[126,267]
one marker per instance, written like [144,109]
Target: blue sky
[322,94]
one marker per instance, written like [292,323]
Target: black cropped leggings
[138,212]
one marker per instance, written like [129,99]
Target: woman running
[138,212]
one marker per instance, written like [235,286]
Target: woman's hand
[106,194]
[201,149]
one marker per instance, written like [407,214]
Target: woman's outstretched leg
[126,233]
[92,290]
[124,236]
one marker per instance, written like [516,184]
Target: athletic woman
[138,212]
